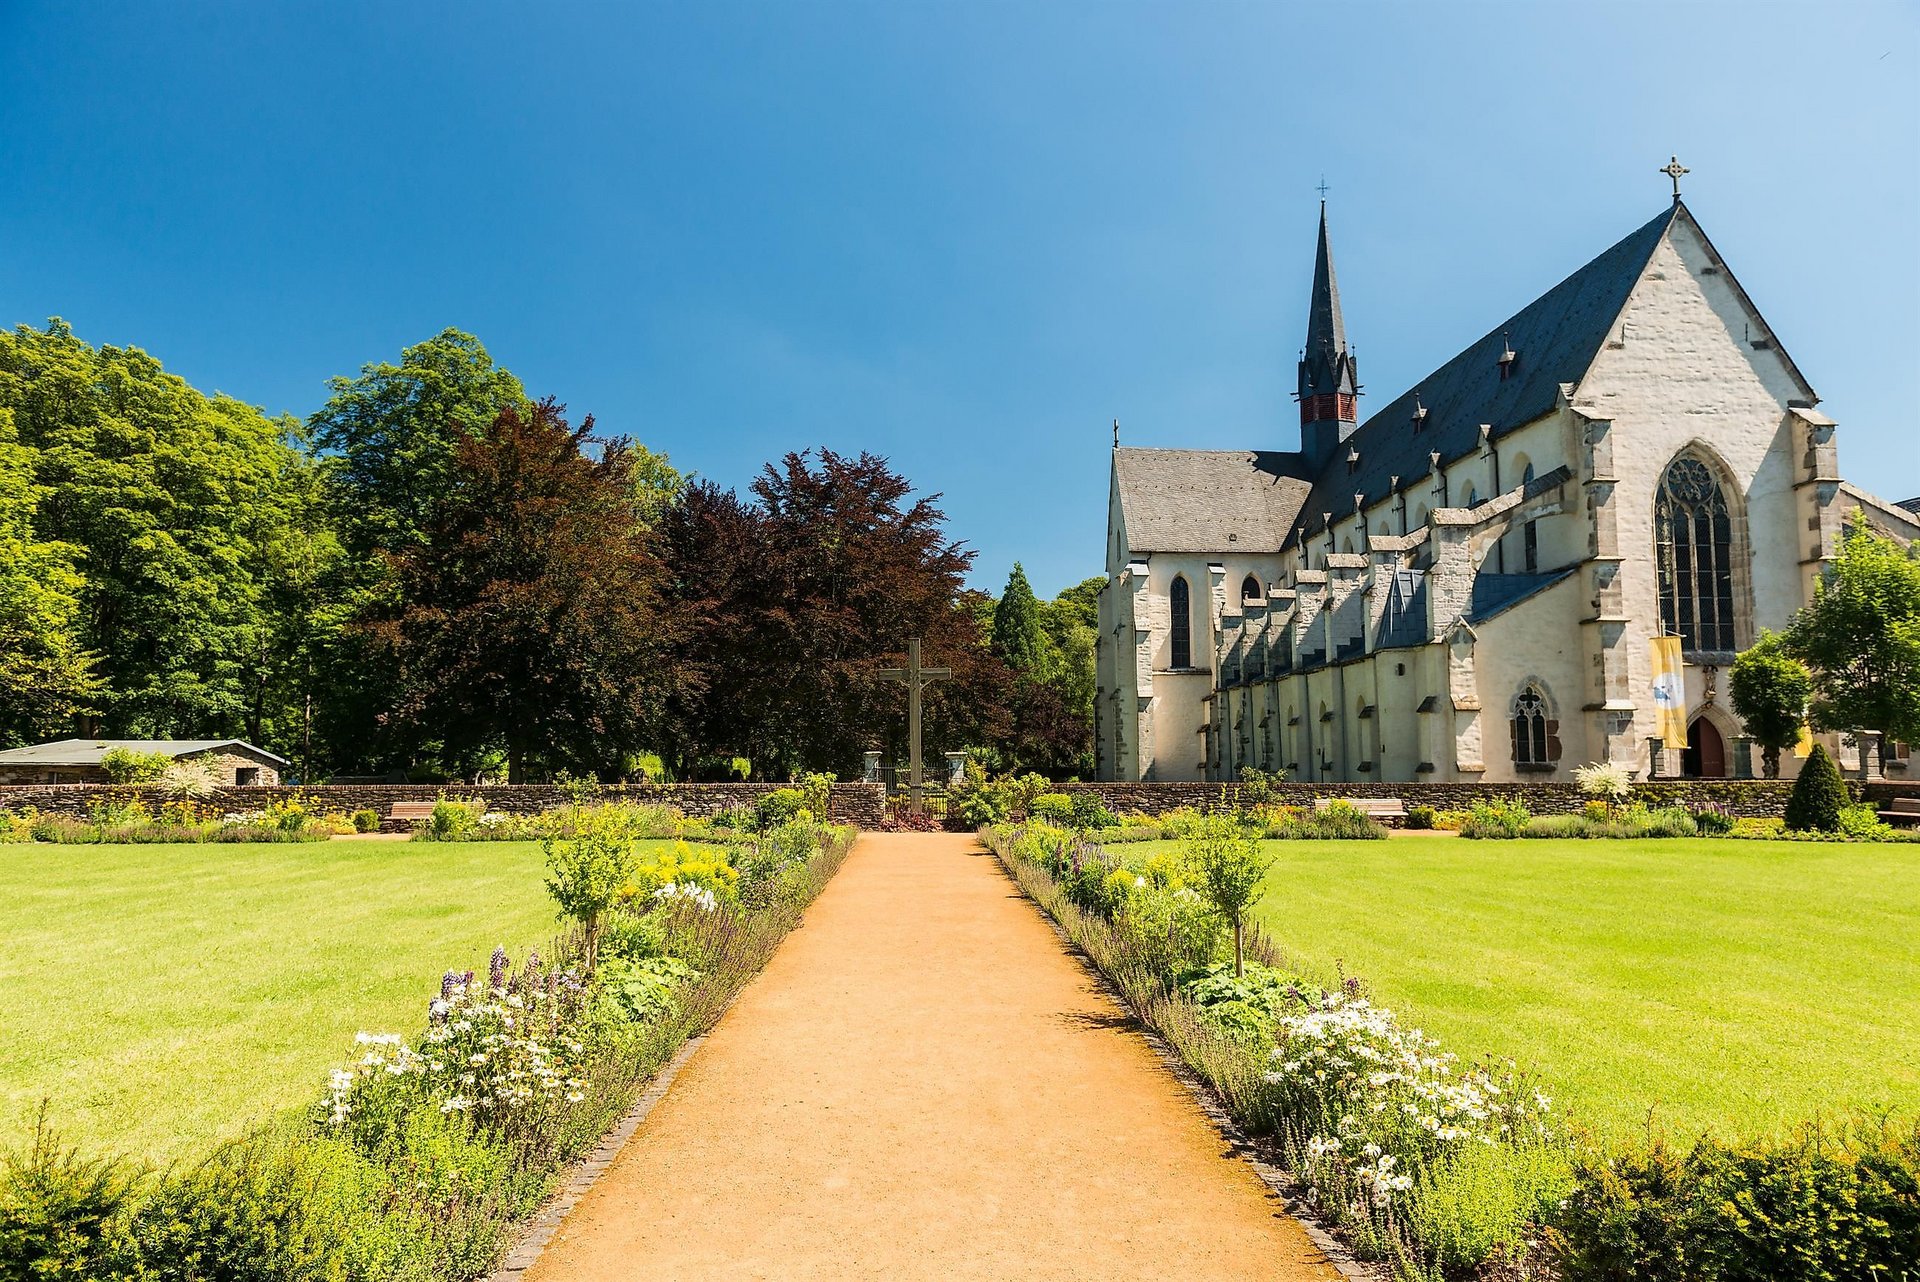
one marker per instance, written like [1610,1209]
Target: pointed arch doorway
[1705,756]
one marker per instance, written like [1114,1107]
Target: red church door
[1706,752]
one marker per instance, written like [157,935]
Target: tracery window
[1536,734]
[1693,553]
[1180,629]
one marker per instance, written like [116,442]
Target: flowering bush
[1604,780]
[1498,817]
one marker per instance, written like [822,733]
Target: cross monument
[915,678]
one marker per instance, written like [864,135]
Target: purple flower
[497,968]
[449,982]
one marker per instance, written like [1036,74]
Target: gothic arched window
[1180,627]
[1250,589]
[1536,735]
[1693,554]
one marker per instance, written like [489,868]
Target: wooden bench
[411,810]
[1902,811]
[1373,807]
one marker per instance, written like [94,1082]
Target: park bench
[1373,807]
[1902,811]
[411,810]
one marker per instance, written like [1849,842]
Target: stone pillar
[1869,742]
[870,771]
[956,767]
[1742,757]
[1656,746]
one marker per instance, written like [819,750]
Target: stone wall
[861,804]
[1756,798]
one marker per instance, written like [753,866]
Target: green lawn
[163,996]
[1736,985]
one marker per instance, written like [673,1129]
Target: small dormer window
[1419,414]
[1509,359]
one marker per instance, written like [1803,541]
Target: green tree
[389,436]
[586,873]
[1017,632]
[1861,637]
[1770,689]
[1228,867]
[46,677]
[168,493]
[1818,796]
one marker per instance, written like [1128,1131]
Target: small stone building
[239,764]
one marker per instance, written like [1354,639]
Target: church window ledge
[1468,704]
[1535,767]
[1708,658]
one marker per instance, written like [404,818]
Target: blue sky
[967,237]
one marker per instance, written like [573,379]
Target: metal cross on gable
[916,679]
[1674,169]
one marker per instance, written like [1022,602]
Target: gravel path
[925,1084]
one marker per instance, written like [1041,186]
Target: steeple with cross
[1329,381]
[1674,169]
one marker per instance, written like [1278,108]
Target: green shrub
[780,806]
[1090,812]
[1559,827]
[1244,1007]
[1713,819]
[127,765]
[981,802]
[1498,818]
[1863,823]
[1816,1209]
[1054,807]
[453,819]
[253,1212]
[1421,817]
[1484,1201]
[366,820]
[63,1216]
[1818,796]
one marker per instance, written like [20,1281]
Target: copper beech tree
[530,620]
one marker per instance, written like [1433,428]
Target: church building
[1467,585]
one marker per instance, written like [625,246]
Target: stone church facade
[1465,587]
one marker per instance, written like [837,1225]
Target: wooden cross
[915,678]
[1673,169]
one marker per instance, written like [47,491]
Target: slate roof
[1493,593]
[1555,339]
[87,752]
[1191,500]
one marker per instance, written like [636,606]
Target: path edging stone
[1278,1181]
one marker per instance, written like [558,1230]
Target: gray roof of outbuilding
[1192,500]
[87,752]
[1555,338]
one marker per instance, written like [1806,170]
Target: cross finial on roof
[1116,434]
[1673,169]
[1322,189]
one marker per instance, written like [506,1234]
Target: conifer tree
[1818,796]
[1018,633]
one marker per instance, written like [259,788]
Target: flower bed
[125,818]
[1443,1169]
[427,1151]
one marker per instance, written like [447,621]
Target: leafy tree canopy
[1770,689]
[1861,636]
[1017,633]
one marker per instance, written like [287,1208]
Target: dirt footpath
[924,1084]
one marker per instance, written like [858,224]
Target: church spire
[1329,381]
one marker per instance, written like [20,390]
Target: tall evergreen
[1018,633]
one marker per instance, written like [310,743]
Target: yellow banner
[1805,745]
[1669,692]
